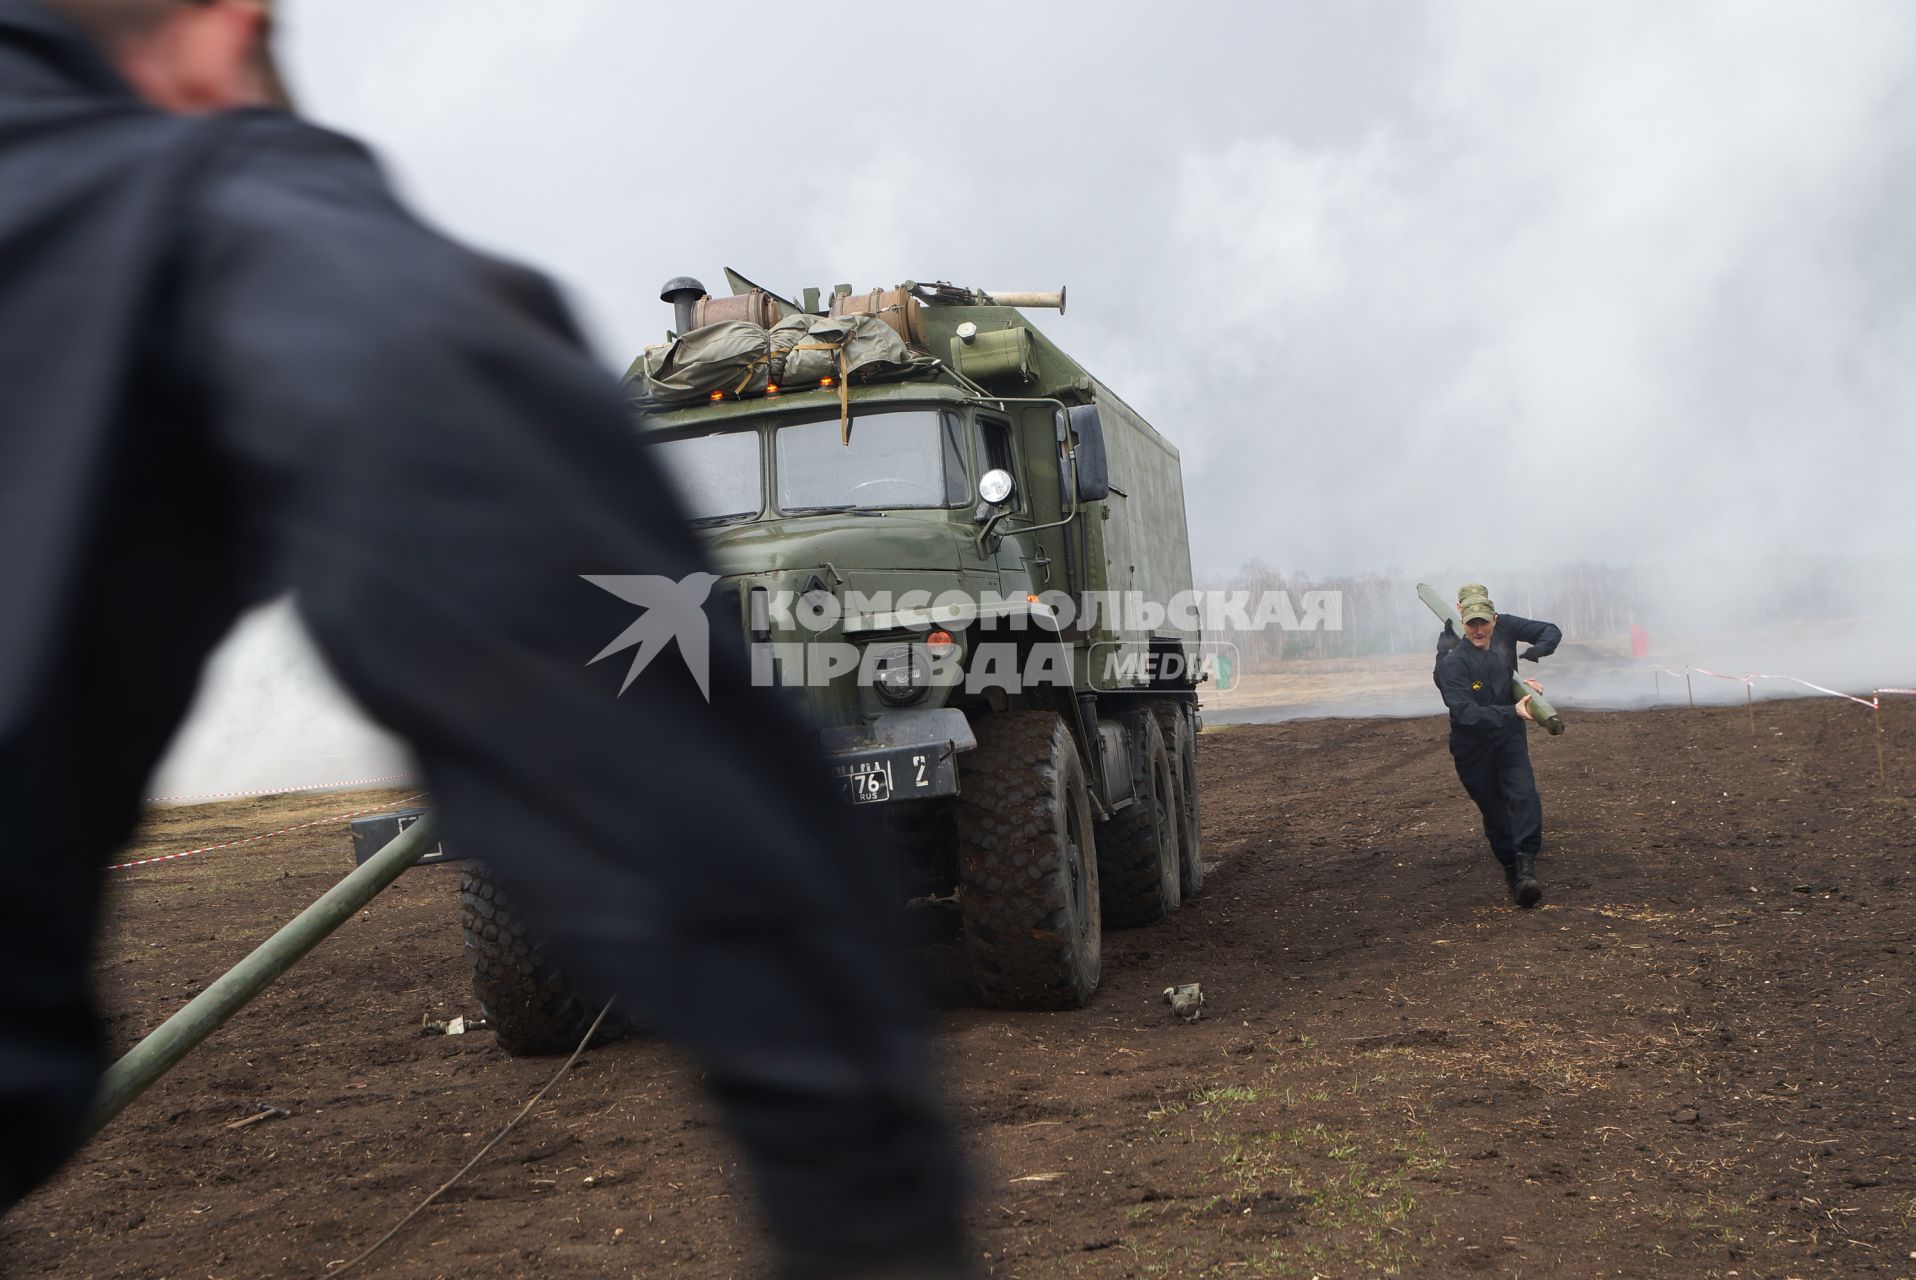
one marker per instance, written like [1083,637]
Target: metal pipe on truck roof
[682,292]
[1044,301]
[173,1039]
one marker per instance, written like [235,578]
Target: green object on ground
[154,1056]
[1540,709]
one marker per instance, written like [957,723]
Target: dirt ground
[1692,1061]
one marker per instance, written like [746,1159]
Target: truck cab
[968,581]
[965,562]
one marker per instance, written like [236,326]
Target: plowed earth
[1694,1060]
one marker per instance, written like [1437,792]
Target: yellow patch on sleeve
[1476,684]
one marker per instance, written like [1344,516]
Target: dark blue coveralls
[233,364]
[1487,736]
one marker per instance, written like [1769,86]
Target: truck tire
[1028,864]
[1138,861]
[526,1000]
[1180,739]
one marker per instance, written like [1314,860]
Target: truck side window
[957,477]
[994,451]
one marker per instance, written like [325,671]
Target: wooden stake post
[1882,770]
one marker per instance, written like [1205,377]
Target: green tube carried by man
[1540,709]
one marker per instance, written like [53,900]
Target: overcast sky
[1636,280]
[1412,286]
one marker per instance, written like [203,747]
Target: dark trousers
[1496,772]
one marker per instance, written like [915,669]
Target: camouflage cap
[1477,607]
[1470,589]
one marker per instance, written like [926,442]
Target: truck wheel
[1027,865]
[525,998]
[1174,719]
[1138,850]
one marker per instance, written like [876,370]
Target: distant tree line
[1381,613]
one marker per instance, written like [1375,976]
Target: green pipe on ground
[173,1039]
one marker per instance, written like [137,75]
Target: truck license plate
[865,781]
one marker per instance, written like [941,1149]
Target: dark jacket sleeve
[1467,714]
[431,466]
[1542,637]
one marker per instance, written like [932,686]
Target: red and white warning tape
[279,791]
[266,835]
[1873,701]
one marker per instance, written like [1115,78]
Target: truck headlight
[900,673]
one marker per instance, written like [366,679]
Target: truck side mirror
[1087,434]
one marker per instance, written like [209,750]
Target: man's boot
[1523,881]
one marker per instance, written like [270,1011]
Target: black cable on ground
[497,1138]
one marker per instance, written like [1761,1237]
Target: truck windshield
[718,476]
[907,458]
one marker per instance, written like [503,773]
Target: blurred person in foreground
[234,365]
[1488,738]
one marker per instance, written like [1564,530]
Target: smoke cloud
[1441,289]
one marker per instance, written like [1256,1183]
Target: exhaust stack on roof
[682,292]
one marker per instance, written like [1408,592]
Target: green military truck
[966,560]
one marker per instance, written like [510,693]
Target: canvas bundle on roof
[862,348]
[735,358]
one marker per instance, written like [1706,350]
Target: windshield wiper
[846,509]
[706,522]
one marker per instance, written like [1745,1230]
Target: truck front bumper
[900,755]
